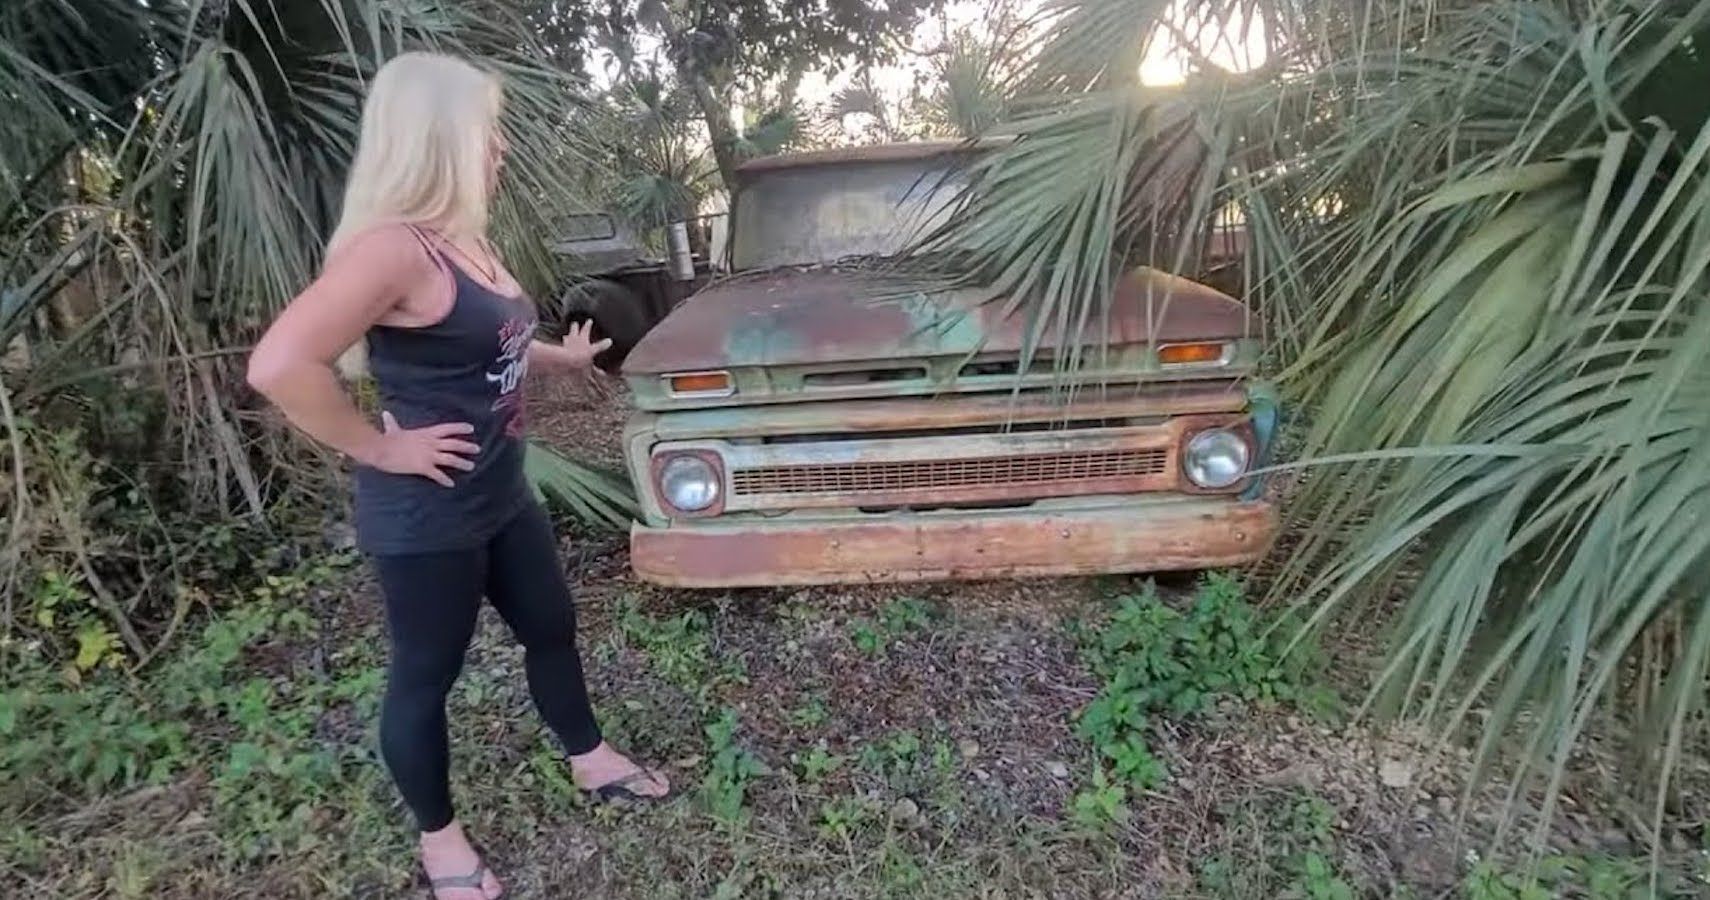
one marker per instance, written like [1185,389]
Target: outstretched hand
[579,344]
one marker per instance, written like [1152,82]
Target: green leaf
[94,643]
[596,497]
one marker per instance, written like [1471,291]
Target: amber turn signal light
[700,384]
[1192,354]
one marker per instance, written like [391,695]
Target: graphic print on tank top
[509,371]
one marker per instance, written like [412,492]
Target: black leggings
[431,602]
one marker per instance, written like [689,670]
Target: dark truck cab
[618,284]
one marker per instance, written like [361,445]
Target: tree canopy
[718,46]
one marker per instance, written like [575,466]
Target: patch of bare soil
[581,416]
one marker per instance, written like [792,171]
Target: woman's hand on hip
[427,452]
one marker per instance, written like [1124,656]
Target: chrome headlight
[689,483]
[1216,458]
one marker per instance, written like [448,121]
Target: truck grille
[909,476]
[939,469]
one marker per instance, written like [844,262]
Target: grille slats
[1069,470]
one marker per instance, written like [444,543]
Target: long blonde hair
[423,158]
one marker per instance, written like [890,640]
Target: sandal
[618,790]
[473,881]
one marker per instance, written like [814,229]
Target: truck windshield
[825,213]
[587,227]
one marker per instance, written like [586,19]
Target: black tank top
[468,367]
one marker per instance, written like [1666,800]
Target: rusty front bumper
[1142,537]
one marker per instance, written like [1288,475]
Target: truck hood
[833,316]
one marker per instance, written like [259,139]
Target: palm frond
[773,131]
[1542,286]
[1478,234]
[182,164]
[972,95]
[1093,187]
[594,496]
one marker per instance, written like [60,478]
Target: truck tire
[616,312]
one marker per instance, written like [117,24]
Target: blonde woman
[412,285]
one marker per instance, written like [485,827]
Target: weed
[102,529]
[134,872]
[1486,881]
[252,731]
[908,765]
[1594,877]
[867,637]
[1102,805]
[943,757]
[1156,660]
[549,769]
[903,748]
[725,788]
[811,714]
[678,647]
[819,763]
[905,615]
[1132,761]
[743,881]
[1180,661]
[99,737]
[894,756]
[111,732]
[680,650]
[899,871]
[843,817]
[1608,878]
[1317,879]
[1296,847]
[899,618]
[23,846]
[64,597]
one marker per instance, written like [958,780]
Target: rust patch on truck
[996,410]
[822,316]
[919,548]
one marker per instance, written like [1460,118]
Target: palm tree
[875,117]
[168,171]
[973,76]
[1479,232]
[658,151]
[656,156]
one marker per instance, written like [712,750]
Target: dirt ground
[825,743]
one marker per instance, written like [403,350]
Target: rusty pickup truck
[803,422]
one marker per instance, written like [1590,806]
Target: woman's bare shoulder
[390,244]
[398,262]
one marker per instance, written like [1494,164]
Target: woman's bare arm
[293,365]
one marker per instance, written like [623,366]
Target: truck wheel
[617,314]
